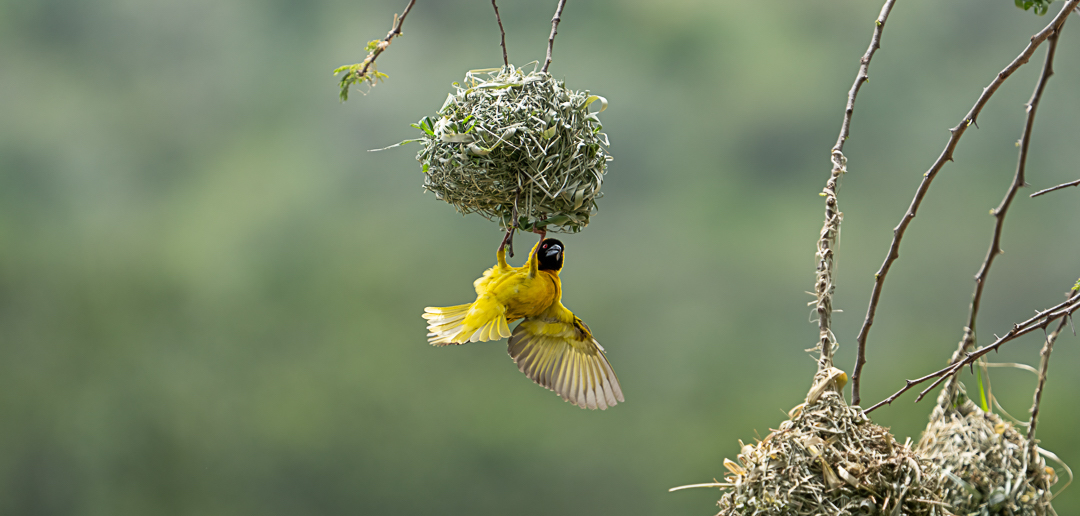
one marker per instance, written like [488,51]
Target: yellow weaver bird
[551,346]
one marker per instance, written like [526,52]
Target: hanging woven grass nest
[989,467]
[516,147]
[829,459]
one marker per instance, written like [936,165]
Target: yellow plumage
[503,295]
[552,346]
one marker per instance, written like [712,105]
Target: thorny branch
[839,168]
[1058,187]
[554,30]
[969,337]
[1044,364]
[1040,321]
[365,71]
[947,155]
[506,60]
[863,75]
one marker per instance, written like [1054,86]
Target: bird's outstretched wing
[557,351]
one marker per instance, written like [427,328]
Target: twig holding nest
[502,34]
[823,284]
[554,30]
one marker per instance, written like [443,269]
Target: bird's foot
[508,242]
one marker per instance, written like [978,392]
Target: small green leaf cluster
[1039,7]
[360,73]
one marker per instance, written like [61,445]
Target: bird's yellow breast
[521,295]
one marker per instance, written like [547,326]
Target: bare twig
[1044,364]
[969,337]
[947,155]
[839,167]
[554,30]
[1058,187]
[363,71]
[863,75]
[506,61]
[1040,321]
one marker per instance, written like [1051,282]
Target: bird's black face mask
[550,255]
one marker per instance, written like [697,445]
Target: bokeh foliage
[210,292]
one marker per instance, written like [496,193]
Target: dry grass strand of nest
[830,459]
[513,143]
[990,469]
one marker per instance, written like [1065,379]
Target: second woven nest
[991,468]
[829,459]
[517,148]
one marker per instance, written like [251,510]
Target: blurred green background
[210,292]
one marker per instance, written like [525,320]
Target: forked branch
[947,155]
[1019,180]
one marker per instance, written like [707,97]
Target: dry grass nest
[829,459]
[517,147]
[989,467]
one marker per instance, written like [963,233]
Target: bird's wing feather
[444,324]
[557,351]
[486,318]
[480,321]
